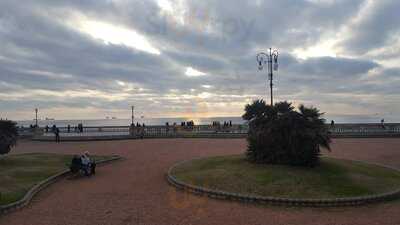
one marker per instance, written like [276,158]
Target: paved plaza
[134,190]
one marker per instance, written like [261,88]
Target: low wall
[202,131]
[148,136]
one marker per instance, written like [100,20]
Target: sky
[180,58]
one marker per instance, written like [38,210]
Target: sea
[178,120]
[127,122]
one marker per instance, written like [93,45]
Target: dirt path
[134,191]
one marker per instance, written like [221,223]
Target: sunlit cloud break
[190,72]
[112,34]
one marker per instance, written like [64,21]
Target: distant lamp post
[36,118]
[133,116]
[271,60]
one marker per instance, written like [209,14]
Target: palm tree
[8,136]
[281,135]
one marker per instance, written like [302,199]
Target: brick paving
[134,190]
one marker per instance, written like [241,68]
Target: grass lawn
[18,173]
[334,178]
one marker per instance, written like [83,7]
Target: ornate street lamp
[36,117]
[271,60]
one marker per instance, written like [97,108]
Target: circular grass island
[334,182]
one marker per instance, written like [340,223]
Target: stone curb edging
[42,185]
[333,202]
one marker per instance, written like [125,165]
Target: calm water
[197,121]
[126,122]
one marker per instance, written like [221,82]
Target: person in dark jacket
[57,134]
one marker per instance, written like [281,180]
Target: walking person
[57,134]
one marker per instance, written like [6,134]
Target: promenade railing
[339,130]
[366,130]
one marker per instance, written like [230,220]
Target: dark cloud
[332,67]
[46,61]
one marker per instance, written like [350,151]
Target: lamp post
[133,117]
[271,60]
[36,119]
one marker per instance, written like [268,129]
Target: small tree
[8,136]
[281,135]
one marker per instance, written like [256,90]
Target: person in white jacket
[86,162]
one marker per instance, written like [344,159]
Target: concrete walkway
[134,191]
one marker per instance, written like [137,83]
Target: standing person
[175,128]
[69,128]
[332,123]
[57,134]
[142,132]
[47,128]
[383,123]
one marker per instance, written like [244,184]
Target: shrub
[8,136]
[281,135]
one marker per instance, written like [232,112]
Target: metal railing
[170,131]
[366,131]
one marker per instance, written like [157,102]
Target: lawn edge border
[5,209]
[302,202]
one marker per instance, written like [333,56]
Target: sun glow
[165,5]
[175,10]
[111,34]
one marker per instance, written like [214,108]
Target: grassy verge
[18,173]
[334,178]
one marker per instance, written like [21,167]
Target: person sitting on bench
[75,164]
[88,165]
[83,163]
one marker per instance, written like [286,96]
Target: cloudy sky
[171,58]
